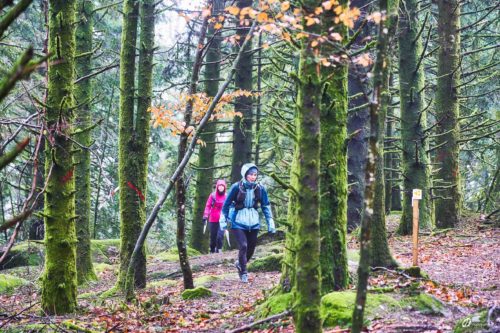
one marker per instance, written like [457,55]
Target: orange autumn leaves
[166,115]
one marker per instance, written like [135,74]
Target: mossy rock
[270,263]
[476,322]
[337,307]
[274,305]
[104,250]
[206,280]
[173,254]
[9,283]
[416,272]
[24,254]
[163,283]
[426,304]
[198,292]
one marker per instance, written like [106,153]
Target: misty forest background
[117,118]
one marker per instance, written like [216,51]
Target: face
[221,188]
[252,176]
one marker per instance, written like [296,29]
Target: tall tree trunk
[380,252]
[129,154]
[357,146]
[59,277]
[180,185]
[206,155]
[307,288]
[242,127]
[83,95]
[415,170]
[104,141]
[379,97]
[447,180]
[333,178]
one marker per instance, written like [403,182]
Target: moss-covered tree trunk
[59,277]
[415,169]
[380,252]
[83,96]
[206,155]
[378,98]
[242,126]
[307,288]
[132,212]
[447,179]
[333,177]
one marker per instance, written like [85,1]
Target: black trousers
[247,240]
[216,237]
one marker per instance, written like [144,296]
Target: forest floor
[463,267]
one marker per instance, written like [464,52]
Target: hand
[270,227]
[223,225]
[204,221]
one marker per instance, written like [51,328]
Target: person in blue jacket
[240,215]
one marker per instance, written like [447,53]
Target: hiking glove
[204,221]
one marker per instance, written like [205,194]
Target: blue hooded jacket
[246,218]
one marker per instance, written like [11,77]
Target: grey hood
[245,167]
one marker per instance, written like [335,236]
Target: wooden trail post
[417,195]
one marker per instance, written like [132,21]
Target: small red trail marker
[139,193]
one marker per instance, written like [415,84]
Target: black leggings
[247,240]
[216,237]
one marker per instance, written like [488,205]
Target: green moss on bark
[59,277]
[333,181]
[83,96]
[307,286]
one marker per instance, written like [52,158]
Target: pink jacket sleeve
[208,207]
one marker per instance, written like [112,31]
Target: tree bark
[180,185]
[449,198]
[83,95]
[59,277]
[333,176]
[415,169]
[307,288]
[379,97]
[206,155]
[129,154]
[242,127]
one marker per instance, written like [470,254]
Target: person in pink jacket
[212,213]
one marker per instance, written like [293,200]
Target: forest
[249,166]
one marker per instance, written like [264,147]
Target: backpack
[241,196]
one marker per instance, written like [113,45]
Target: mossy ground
[206,280]
[24,254]
[104,249]
[9,283]
[198,292]
[476,322]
